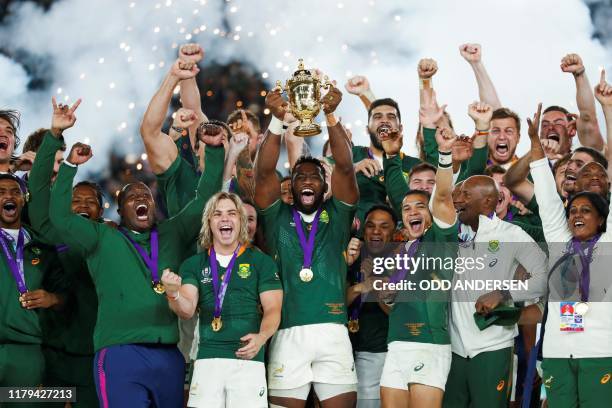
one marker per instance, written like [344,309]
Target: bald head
[478,196]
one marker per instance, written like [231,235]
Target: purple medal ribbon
[306,244]
[220,292]
[509,217]
[585,260]
[150,261]
[401,274]
[370,154]
[15,263]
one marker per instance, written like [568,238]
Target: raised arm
[39,181]
[360,86]
[160,148]
[343,177]
[267,184]
[189,92]
[588,129]
[74,229]
[516,179]
[603,93]
[472,53]
[442,201]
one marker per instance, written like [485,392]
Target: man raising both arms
[308,239]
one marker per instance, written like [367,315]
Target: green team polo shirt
[422,316]
[322,300]
[373,322]
[71,328]
[253,273]
[129,311]
[19,325]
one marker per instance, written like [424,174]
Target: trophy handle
[279,85]
[326,83]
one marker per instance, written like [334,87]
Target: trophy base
[307,130]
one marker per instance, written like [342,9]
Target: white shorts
[320,353]
[227,382]
[416,363]
[369,368]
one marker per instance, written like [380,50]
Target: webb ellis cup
[304,93]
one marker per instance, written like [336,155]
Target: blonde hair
[205,239]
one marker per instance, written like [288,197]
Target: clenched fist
[481,114]
[171,281]
[182,69]
[572,63]
[427,68]
[211,134]
[80,153]
[191,52]
[331,100]
[470,52]
[184,118]
[353,250]
[357,85]
[278,106]
[445,137]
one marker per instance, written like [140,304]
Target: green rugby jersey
[129,311]
[322,300]
[253,273]
[177,185]
[422,316]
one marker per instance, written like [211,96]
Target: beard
[374,140]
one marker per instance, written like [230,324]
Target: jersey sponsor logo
[244,270]
[419,367]
[493,263]
[605,379]
[500,385]
[206,276]
[278,371]
[548,382]
[324,217]
[262,390]
[335,308]
[493,245]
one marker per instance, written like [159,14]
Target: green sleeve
[395,182]
[267,274]
[188,271]
[430,146]
[445,247]
[474,165]
[533,205]
[177,185]
[55,279]
[269,221]
[187,224]
[75,230]
[39,184]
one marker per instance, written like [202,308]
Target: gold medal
[159,288]
[353,325]
[306,275]
[216,324]
[581,308]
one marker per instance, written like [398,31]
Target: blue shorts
[139,375]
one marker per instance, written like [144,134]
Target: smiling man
[227,281]
[135,329]
[308,239]
[24,266]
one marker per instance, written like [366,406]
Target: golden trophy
[304,93]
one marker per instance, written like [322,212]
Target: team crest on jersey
[324,217]
[605,379]
[244,270]
[36,250]
[406,174]
[493,245]
[206,278]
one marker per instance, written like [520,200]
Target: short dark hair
[417,192]
[600,204]
[504,113]
[10,176]
[235,115]
[308,159]
[560,163]
[96,187]
[595,154]
[421,167]
[125,189]
[381,207]
[35,139]
[555,108]
[384,102]
[13,117]
[495,169]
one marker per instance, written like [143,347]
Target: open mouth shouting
[84,214]
[226,230]
[416,225]
[4,144]
[554,136]
[9,209]
[142,212]
[502,149]
[383,131]
[307,196]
